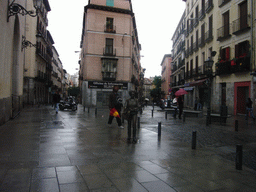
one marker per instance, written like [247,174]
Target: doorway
[242,92]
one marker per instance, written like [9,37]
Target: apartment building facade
[222,31]
[26,54]
[177,76]
[166,75]
[11,67]
[110,51]
[236,60]
[200,42]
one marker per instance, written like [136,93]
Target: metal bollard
[88,109]
[153,113]
[184,117]
[96,111]
[138,122]
[159,129]
[194,140]
[165,114]
[236,125]
[84,108]
[239,157]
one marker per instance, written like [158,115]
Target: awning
[197,83]
[188,88]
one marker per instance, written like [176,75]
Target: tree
[156,92]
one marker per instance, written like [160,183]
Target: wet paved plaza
[77,151]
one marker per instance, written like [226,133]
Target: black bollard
[138,122]
[88,109]
[159,129]
[96,111]
[236,125]
[194,140]
[184,117]
[84,108]
[239,157]
[153,113]
[165,114]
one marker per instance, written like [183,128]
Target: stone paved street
[77,151]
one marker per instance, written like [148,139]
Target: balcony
[41,77]
[174,68]
[191,50]
[209,6]
[109,29]
[208,36]
[202,14]
[223,2]
[191,27]
[181,64]
[241,64]
[109,76]
[109,51]
[195,46]
[223,33]
[187,53]
[201,41]
[223,68]
[241,25]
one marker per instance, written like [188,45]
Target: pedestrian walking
[115,107]
[56,101]
[180,105]
[249,109]
[198,104]
[131,110]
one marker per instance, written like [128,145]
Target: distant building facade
[166,76]
[110,51]
[178,57]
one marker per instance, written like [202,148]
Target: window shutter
[227,53]
[237,51]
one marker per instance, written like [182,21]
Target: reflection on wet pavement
[77,151]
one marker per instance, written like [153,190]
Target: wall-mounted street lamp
[26,43]
[15,8]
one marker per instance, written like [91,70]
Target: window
[109,47]
[226,23]
[109,25]
[191,67]
[225,54]
[110,3]
[243,15]
[242,49]
[109,69]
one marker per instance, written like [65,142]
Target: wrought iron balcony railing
[223,32]
[240,25]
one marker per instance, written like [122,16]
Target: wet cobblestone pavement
[76,151]
[220,138]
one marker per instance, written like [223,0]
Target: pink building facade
[166,75]
[110,51]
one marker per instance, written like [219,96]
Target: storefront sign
[106,85]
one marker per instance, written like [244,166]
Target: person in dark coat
[56,101]
[249,109]
[115,101]
[180,104]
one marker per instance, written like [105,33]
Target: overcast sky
[156,22]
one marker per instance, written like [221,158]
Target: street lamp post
[208,69]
